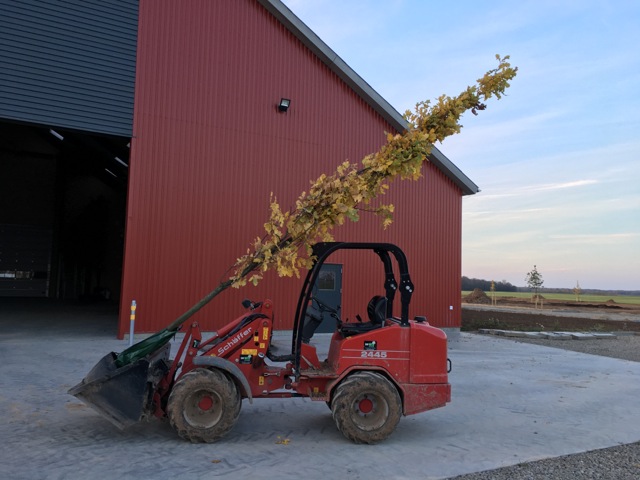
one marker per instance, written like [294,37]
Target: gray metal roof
[301,31]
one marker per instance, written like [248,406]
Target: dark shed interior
[63,198]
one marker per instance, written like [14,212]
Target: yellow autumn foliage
[333,199]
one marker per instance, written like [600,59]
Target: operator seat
[377,310]
[377,313]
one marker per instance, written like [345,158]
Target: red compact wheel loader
[375,372]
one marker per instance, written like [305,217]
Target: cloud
[559,186]
[503,199]
[597,238]
[557,160]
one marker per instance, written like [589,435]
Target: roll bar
[321,251]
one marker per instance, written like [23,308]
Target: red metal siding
[427,226]
[209,146]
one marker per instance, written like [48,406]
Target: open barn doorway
[63,197]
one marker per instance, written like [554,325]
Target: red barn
[194,152]
[210,145]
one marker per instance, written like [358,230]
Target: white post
[132,322]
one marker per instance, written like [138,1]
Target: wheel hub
[365,405]
[205,403]
[203,409]
[369,411]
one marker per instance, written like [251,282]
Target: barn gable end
[209,147]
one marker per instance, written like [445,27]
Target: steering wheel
[324,306]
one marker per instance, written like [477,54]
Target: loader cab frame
[322,251]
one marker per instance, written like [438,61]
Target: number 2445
[373,354]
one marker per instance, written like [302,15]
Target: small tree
[493,292]
[577,291]
[534,282]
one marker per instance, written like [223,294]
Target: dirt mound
[477,296]
[611,301]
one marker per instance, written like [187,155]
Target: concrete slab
[555,336]
[581,336]
[603,335]
[514,334]
[534,335]
[512,402]
[502,333]
[547,335]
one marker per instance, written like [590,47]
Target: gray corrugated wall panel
[69,64]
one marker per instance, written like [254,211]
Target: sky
[557,160]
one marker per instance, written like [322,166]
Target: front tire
[204,405]
[366,407]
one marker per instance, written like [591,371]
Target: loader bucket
[121,394]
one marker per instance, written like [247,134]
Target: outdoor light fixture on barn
[283,106]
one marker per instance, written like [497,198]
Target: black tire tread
[209,378]
[346,393]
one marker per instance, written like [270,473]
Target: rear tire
[366,407]
[204,405]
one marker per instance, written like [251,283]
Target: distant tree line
[485,285]
[469,284]
[586,291]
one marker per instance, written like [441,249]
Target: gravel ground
[624,347]
[616,463]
